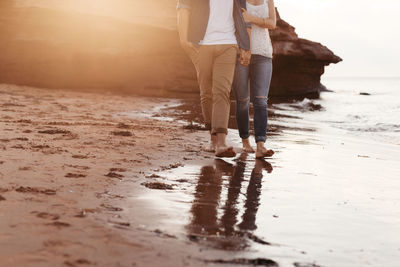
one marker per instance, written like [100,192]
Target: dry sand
[64,155]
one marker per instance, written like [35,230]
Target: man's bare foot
[225,152]
[247,147]
[211,146]
[262,152]
[221,149]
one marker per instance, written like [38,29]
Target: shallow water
[329,196]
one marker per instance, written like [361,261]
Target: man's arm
[244,47]
[245,56]
[183,25]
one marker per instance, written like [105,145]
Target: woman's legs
[260,79]
[242,95]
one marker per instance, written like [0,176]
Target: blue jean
[258,75]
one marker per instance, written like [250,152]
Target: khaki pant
[215,66]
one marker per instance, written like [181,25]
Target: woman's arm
[269,23]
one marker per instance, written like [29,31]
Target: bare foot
[247,147]
[262,152]
[211,146]
[225,152]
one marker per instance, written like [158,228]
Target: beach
[68,162]
[121,180]
[102,159]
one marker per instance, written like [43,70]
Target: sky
[364,33]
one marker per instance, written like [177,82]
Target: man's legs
[222,77]
[205,62]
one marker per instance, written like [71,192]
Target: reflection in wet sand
[217,221]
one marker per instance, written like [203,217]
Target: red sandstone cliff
[298,63]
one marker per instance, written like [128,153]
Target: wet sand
[69,164]
[329,197]
[108,180]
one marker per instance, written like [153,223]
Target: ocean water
[371,117]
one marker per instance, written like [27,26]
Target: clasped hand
[244,57]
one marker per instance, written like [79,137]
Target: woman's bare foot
[247,147]
[262,152]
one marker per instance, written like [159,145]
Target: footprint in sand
[123,224]
[23,121]
[158,185]
[122,133]
[80,156]
[75,175]
[18,147]
[27,168]
[55,131]
[59,225]
[45,215]
[114,175]
[34,190]
[12,105]
[153,176]
[21,139]
[111,208]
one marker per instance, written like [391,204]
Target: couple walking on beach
[229,44]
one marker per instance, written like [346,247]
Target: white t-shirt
[221,26]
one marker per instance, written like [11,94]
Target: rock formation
[298,63]
[54,48]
